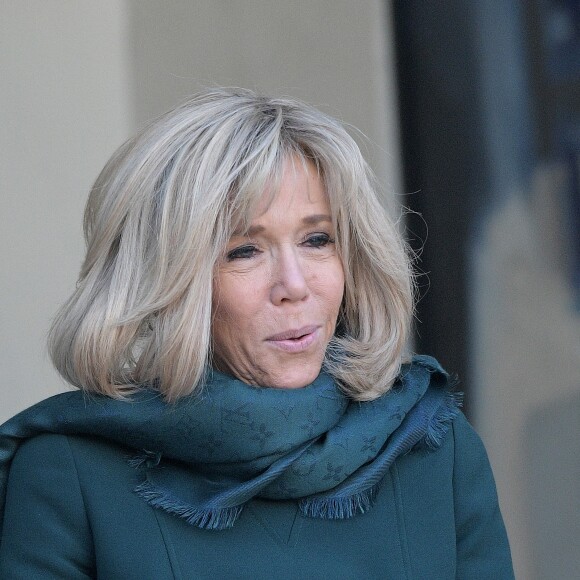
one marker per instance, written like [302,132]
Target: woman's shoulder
[459,453]
[56,469]
[65,494]
[68,464]
[43,448]
[44,512]
[39,447]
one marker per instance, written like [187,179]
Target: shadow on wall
[552,453]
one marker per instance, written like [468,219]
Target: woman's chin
[298,379]
[280,372]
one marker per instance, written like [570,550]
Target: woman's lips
[295,340]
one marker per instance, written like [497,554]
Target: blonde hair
[159,217]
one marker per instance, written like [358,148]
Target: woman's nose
[289,280]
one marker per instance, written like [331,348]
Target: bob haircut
[159,217]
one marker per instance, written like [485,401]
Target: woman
[244,411]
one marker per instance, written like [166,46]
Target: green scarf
[204,457]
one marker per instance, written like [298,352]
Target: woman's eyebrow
[316,219]
[309,220]
[251,231]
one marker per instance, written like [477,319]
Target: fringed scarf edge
[334,507]
[323,506]
[217,518]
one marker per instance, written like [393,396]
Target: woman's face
[278,290]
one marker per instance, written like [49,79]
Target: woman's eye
[244,252]
[318,240]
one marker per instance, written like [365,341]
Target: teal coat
[71,513]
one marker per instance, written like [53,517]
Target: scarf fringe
[207,519]
[339,508]
[145,459]
[441,421]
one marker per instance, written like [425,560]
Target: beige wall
[335,54]
[64,108]
[78,77]
[527,343]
